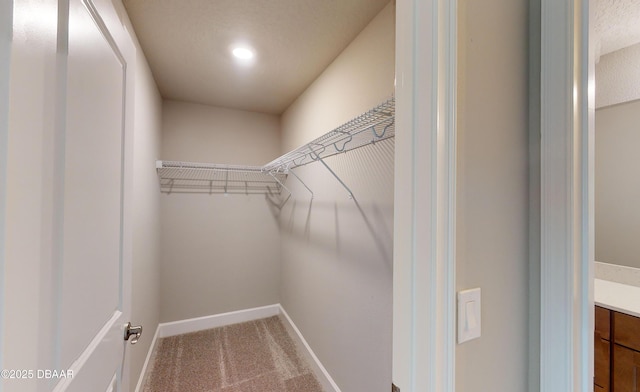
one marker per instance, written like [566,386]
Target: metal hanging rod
[370,127]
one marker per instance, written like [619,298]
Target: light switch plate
[469,310]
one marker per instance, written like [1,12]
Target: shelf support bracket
[282,185]
[279,182]
[302,182]
[317,158]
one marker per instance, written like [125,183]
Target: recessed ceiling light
[243,53]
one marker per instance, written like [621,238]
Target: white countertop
[617,296]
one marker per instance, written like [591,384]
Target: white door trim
[6,29]
[566,123]
[425,163]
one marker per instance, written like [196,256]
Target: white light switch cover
[469,310]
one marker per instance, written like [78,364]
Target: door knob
[130,331]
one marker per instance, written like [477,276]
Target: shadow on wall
[333,221]
[337,263]
[373,216]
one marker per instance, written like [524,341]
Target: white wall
[492,205]
[219,253]
[618,77]
[617,187]
[616,157]
[336,252]
[145,301]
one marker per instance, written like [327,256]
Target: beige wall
[348,87]
[219,253]
[617,187]
[145,305]
[618,77]
[145,273]
[336,279]
[492,205]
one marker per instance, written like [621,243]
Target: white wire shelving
[192,177]
[371,127]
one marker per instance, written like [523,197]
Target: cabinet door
[603,322]
[626,370]
[602,357]
[598,388]
[626,330]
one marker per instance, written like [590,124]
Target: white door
[74,290]
[95,250]
[96,246]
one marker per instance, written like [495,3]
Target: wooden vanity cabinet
[616,352]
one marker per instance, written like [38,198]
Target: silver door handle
[130,331]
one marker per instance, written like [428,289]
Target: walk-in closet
[275,186]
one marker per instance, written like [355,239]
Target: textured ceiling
[187,45]
[617,24]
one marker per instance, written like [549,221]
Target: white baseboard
[219,320]
[152,348]
[318,369]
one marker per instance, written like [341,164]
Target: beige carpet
[257,356]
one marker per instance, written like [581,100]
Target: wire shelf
[192,177]
[189,177]
[375,125]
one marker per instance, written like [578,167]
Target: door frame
[567,195]
[6,24]
[425,190]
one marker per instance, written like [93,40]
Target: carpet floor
[257,356]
